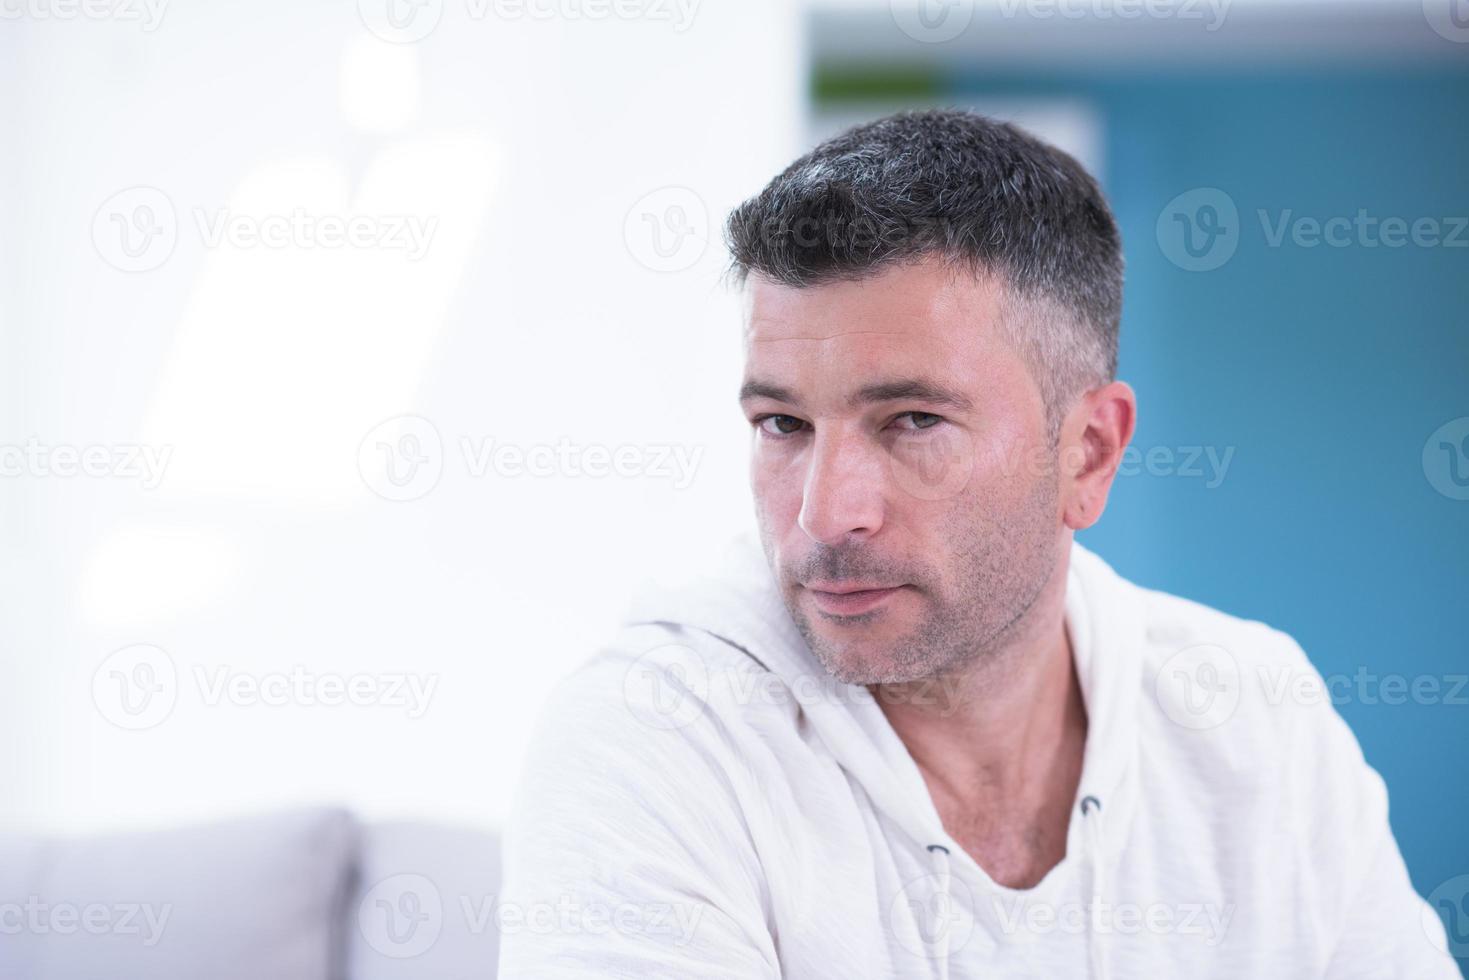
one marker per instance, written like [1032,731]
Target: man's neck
[1001,748]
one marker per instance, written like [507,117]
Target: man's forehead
[853,350]
[923,304]
[842,354]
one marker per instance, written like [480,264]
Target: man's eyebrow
[897,389]
[764,389]
[911,389]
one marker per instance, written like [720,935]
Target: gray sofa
[300,895]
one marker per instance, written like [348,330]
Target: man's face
[904,484]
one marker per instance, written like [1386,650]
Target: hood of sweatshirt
[738,602]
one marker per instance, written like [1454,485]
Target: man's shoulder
[1183,647]
[1240,696]
[1163,623]
[1173,623]
[665,679]
[1214,680]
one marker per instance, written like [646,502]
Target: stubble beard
[998,566]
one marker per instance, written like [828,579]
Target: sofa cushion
[240,900]
[427,906]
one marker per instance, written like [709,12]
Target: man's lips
[850,598]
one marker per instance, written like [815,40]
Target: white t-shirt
[703,800]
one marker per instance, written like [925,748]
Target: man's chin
[863,653]
[854,664]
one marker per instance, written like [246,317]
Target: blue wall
[1327,369]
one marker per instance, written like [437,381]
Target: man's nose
[844,491]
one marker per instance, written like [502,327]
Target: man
[916,730]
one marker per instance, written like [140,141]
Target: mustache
[840,564]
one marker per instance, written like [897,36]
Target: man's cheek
[932,466]
[1008,463]
[776,485]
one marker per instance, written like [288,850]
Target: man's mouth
[850,598]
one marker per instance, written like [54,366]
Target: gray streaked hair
[981,194]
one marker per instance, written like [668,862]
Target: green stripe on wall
[847,84]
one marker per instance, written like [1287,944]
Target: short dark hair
[983,195]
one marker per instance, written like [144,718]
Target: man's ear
[1093,436]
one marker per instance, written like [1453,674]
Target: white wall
[536,313]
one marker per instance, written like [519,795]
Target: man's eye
[920,420]
[779,425]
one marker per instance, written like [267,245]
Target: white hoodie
[703,800]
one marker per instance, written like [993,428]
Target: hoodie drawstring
[942,912]
[1091,815]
